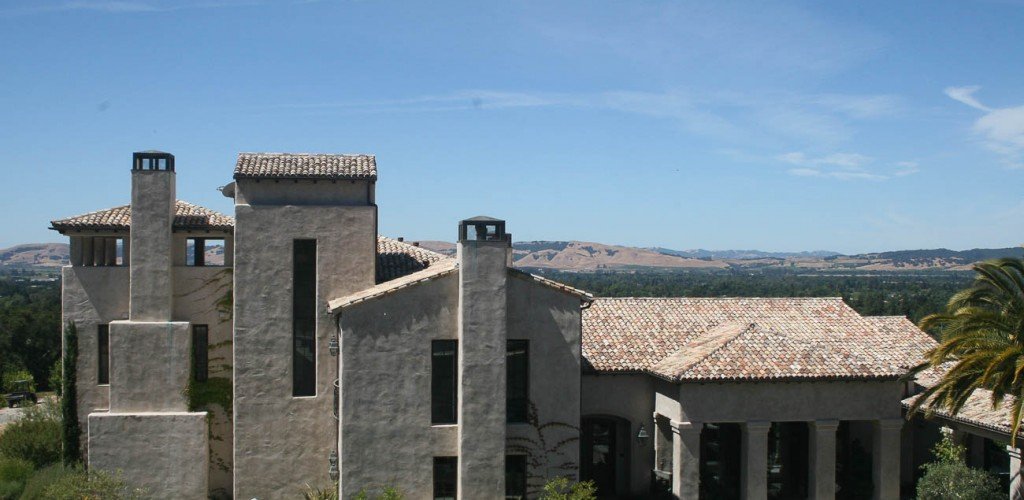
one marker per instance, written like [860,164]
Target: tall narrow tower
[148,432]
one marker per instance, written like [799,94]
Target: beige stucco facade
[372,339]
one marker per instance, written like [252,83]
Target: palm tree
[981,342]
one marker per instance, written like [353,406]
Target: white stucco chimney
[153,199]
[483,282]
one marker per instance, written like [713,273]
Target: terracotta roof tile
[396,259]
[442,268]
[737,338]
[305,166]
[186,216]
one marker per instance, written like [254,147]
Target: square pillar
[754,457]
[686,459]
[822,459]
[1016,488]
[885,458]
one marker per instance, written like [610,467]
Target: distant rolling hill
[584,256]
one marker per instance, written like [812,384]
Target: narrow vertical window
[304,318]
[517,380]
[103,354]
[200,353]
[446,472]
[443,380]
[515,477]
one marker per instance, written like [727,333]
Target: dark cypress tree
[70,432]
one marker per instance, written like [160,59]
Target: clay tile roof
[186,216]
[442,268]
[396,259]
[904,336]
[736,339]
[562,287]
[977,411]
[305,166]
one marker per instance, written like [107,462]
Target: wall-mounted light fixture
[333,469]
[641,435]
[332,345]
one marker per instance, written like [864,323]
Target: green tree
[949,478]
[70,432]
[981,342]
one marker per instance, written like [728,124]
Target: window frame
[103,354]
[440,412]
[517,406]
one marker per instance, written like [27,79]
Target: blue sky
[848,126]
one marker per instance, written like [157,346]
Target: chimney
[483,276]
[152,216]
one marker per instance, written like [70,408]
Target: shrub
[77,484]
[561,488]
[386,493]
[14,473]
[36,485]
[12,376]
[949,478]
[55,380]
[35,437]
[328,493]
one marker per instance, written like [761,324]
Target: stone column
[1016,488]
[885,458]
[754,457]
[686,459]
[822,459]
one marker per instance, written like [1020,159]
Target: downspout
[334,347]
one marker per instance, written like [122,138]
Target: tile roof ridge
[742,331]
[275,153]
[128,205]
[723,298]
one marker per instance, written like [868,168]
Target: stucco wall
[303,192]
[153,198]
[149,366]
[163,453]
[197,292]
[630,397]
[387,437]
[91,296]
[790,401]
[550,320]
[283,442]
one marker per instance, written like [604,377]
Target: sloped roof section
[562,287]
[187,216]
[902,335]
[396,259]
[736,339]
[442,268]
[305,166]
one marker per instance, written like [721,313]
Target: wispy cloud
[966,96]
[844,167]
[1001,129]
[735,117]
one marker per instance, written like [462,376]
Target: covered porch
[779,440]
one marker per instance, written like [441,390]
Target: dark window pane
[304,318]
[515,477]
[517,391]
[443,379]
[103,352]
[200,353]
[446,473]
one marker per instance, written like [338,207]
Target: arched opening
[604,457]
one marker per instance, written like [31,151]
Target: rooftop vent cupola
[483,228]
[153,160]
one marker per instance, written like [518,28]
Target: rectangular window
[204,252]
[200,353]
[103,354]
[515,477]
[304,317]
[444,374]
[446,474]
[517,381]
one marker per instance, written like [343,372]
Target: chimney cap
[152,160]
[482,228]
